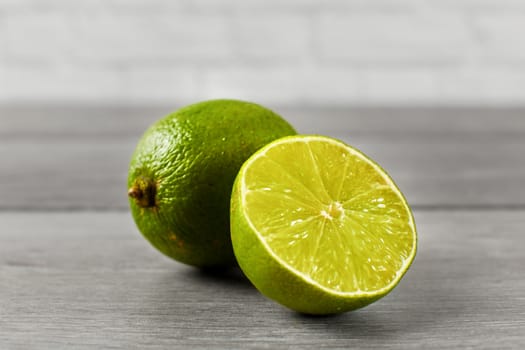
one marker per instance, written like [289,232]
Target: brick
[152,37]
[25,83]
[83,6]
[330,86]
[161,85]
[501,37]
[155,85]
[37,37]
[250,5]
[147,5]
[298,6]
[262,85]
[3,85]
[392,86]
[483,85]
[282,85]
[478,5]
[3,39]
[33,6]
[392,38]
[272,37]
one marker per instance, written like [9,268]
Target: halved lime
[319,227]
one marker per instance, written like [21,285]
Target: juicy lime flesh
[331,214]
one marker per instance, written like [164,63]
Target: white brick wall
[37,38]
[341,52]
[503,37]
[388,38]
[272,37]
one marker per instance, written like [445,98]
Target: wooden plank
[64,175]
[77,158]
[369,124]
[88,280]
[92,175]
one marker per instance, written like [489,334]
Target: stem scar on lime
[144,192]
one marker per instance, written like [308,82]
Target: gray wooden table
[75,273]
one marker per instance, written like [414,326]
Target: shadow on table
[231,277]
[428,298]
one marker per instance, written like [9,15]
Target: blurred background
[433,90]
[293,52]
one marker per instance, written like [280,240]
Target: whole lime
[182,172]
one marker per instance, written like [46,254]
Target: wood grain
[76,274]
[76,158]
[88,280]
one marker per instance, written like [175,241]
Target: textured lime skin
[191,158]
[275,279]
